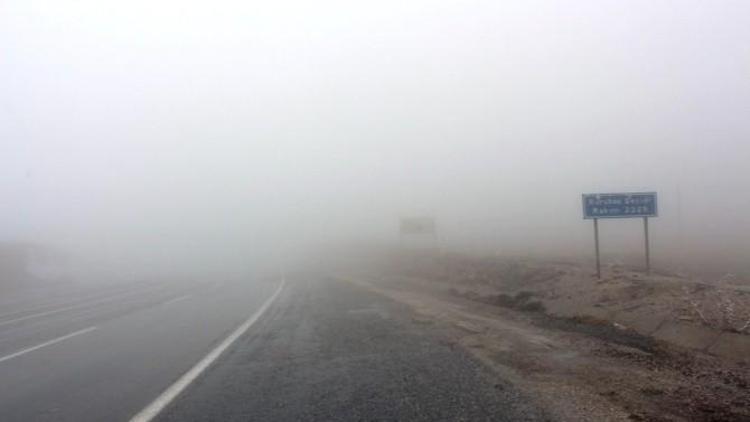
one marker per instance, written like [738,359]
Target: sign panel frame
[622,200]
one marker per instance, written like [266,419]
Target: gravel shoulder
[579,368]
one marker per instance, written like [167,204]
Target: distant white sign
[417,225]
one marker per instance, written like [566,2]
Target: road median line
[45,344]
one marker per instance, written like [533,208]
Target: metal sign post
[620,205]
[596,245]
[648,253]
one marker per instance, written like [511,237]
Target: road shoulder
[578,371]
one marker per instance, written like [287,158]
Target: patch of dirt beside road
[540,327]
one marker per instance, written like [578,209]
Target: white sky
[213,122]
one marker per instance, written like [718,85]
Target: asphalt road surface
[103,354]
[317,350]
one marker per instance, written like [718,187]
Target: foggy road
[318,350]
[517,195]
[330,351]
[105,353]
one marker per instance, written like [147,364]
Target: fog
[185,137]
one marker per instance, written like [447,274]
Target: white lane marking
[67,308]
[41,314]
[177,299]
[153,409]
[46,343]
[82,301]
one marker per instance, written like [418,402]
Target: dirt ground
[627,347]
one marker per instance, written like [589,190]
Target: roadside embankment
[627,347]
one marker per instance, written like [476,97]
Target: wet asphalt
[330,351]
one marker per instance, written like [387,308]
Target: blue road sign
[619,205]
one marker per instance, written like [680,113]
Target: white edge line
[174,390]
[46,343]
